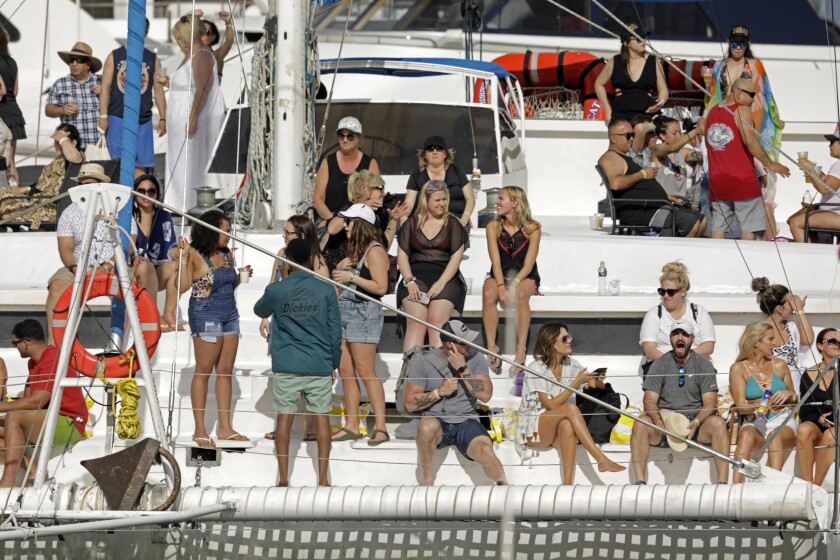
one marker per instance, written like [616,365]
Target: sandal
[208,445]
[372,443]
[495,363]
[348,435]
[310,437]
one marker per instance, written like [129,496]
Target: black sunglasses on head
[670,291]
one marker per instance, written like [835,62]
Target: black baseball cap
[832,138]
[637,29]
[435,141]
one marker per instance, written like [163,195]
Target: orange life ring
[108,285]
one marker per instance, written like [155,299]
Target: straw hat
[81,49]
[92,171]
[678,424]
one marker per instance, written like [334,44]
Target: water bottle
[602,280]
[761,411]
[807,199]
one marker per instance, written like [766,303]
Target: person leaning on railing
[755,371]
[816,426]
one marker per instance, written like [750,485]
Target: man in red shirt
[734,190]
[25,416]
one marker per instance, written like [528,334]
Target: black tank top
[635,97]
[337,184]
[512,251]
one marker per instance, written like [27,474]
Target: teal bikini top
[754,391]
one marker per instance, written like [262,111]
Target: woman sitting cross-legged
[513,241]
[548,415]
[366,271]
[157,242]
[755,371]
[431,247]
[816,426]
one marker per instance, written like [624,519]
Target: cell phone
[423,298]
[829,423]
[600,371]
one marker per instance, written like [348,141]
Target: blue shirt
[161,238]
[306,330]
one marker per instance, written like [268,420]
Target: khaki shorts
[316,389]
[64,275]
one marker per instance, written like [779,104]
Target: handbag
[598,418]
[98,151]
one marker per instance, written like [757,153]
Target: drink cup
[803,158]
[594,222]
[615,287]
[245,274]
[600,220]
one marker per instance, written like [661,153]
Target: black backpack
[600,420]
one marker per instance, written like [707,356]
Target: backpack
[440,364]
[600,420]
[647,364]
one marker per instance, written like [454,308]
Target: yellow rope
[128,423]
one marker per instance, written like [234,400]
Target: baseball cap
[683,325]
[362,211]
[635,29]
[832,138]
[434,141]
[458,329]
[349,123]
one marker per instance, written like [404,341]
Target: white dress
[187,162]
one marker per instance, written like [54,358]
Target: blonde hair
[522,212]
[677,273]
[423,203]
[191,30]
[359,182]
[447,159]
[752,334]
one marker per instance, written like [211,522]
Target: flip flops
[372,443]
[208,445]
[348,435]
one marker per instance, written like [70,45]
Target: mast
[289,97]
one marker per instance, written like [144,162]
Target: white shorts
[765,428]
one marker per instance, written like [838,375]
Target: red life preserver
[108,285]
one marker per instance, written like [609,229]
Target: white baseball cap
[349,123]
[362,211]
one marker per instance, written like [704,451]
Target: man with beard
[680,382]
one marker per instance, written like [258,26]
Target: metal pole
[73,316]
[737,463]
[139,342]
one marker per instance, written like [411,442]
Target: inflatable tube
[115,366]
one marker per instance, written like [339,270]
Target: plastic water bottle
[761,411]
[602,280]
[807,199]
[476,176]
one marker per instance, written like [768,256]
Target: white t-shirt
[831,197]
[658,329]
[72,224]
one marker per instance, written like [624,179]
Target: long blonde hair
[423,204]
[359,182]
[752,334]
[186,30]
[448,158]
[522,211]
[677,273]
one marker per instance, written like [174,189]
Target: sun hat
[676,423]
[92,171]
[362,211]
[349,123]
[81,49]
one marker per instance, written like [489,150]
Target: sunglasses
[79,60]
[627,135]
[750,93]
[566,338]
[16,342]
[287,233]
[670,291]
[147,192]
[832,341]
[348,221]
[738,45]
[681,381]
[350,136]
[435,149]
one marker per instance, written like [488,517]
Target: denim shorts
[461,435]
[212,317]
[361,321]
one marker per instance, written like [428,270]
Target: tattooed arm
[478,385]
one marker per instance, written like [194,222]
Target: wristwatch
[461,370]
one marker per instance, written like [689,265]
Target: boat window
[395,131]
[790,22]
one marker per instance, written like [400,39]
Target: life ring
[115,366]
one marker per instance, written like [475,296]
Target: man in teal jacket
[305,350]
